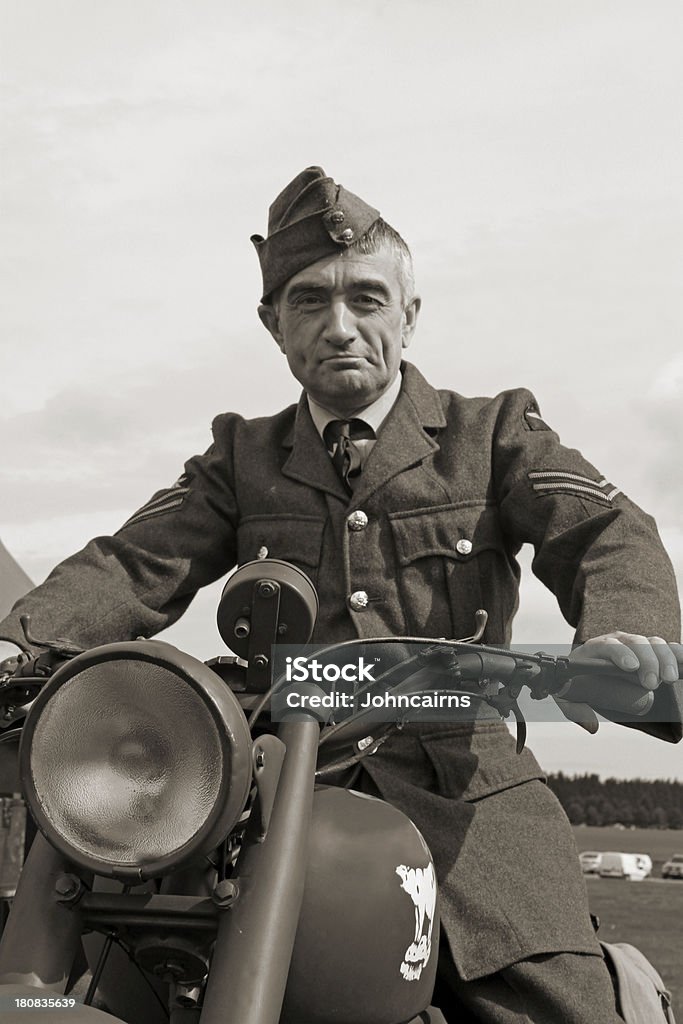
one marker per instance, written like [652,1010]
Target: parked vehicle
[631,866]
[188,846]
[645,862]
[673,867]
[590,862]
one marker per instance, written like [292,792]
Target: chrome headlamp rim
[233,731]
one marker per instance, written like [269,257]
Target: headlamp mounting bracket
[265,612]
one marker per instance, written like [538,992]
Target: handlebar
[460,668]
[471,669]
[617,691]
[544,674]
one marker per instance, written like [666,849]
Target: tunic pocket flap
[296,539]
[448,531]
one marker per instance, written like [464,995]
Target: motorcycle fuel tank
[367,943]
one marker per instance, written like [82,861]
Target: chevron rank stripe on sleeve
[558,481]
[163,501]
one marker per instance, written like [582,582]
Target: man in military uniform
[406,506]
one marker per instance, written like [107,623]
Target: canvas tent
[13,581]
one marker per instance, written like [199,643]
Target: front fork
[42,936]
[255,939]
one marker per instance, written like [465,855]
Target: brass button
[464,546]
[358,601]
[346,235]
[357,521]
[337,217]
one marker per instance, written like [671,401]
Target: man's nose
[340,326]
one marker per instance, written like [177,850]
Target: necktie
[339,437]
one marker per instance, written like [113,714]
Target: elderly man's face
[342,323]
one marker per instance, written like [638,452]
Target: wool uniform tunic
[450,491]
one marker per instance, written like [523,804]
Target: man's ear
[410,314]
[271,322]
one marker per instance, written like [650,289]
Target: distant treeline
[589,801]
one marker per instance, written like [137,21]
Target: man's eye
[308,302]
[368,301]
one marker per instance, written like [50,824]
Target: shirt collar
[374,415]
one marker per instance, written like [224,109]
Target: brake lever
[60,646]
[23,676]
[481,617]
[506,703]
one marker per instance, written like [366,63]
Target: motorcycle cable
[99,968]
[544,674]
[505,702]
[355,759]
[102,960]
[141,971]
[281,680]
[372,747]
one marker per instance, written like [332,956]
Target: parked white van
[633,866]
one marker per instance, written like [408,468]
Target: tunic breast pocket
[452,560]
[295,539]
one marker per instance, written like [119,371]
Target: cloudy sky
[530,153]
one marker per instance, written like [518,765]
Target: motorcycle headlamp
[135,758]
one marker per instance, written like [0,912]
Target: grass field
[647,914]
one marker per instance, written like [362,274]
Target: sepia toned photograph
[340,536]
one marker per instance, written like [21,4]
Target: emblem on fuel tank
[420,884]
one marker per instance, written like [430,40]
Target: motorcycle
[192,853]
